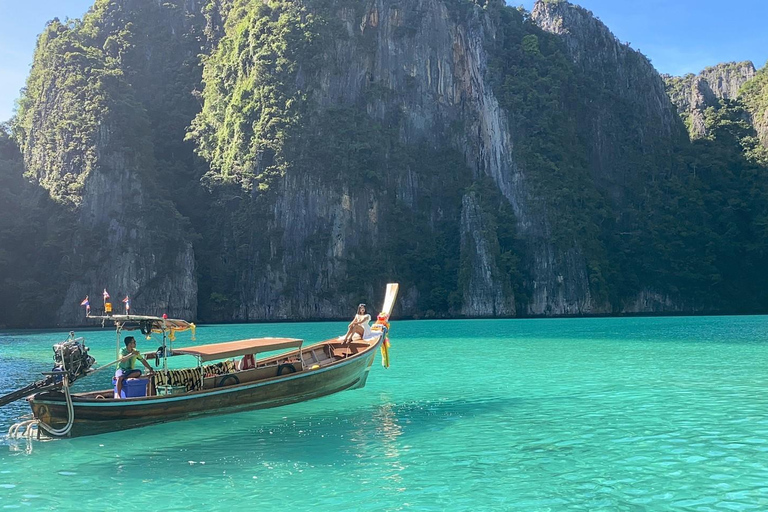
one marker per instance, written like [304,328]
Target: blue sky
[679,36]
[21,22]
[685,36]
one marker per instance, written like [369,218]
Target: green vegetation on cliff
[672,216]
[251,99]
[754,94]
[260,120]
[58,138]
[214,148]
[33,235]
[88,139]
[539,88]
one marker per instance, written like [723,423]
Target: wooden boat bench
[239,377]
[318,356]
[342,351]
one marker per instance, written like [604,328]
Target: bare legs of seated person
[353,329]
[123,376]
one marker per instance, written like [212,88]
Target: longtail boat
[228,377]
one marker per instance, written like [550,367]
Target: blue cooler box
[132,387]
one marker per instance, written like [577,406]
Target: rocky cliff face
[754,94]
[626,122]
[484,293]
[633,89]
[85,139]
[414,68]
[725,80]
[692,94]
[435,66]
[495,163]
[421,67]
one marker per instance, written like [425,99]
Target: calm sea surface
[566,414]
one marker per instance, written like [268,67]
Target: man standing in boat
[127,367]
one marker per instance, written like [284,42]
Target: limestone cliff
[631,119]
[85,138]
[420,68]
[479,298]
[414,72]
[284,160]
[725,80]
[692,94]
[754,94]
[627,126]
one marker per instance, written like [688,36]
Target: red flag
[87,305]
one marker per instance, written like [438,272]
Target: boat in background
[228,377]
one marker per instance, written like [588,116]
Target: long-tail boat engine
[70,357]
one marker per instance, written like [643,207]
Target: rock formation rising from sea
[240,160]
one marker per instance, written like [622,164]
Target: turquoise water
[565,414]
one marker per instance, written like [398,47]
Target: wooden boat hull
[95,416]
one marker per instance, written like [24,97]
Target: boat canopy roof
[147,323]
[238,348]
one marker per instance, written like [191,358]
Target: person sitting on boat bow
[359,325]
[127,367]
